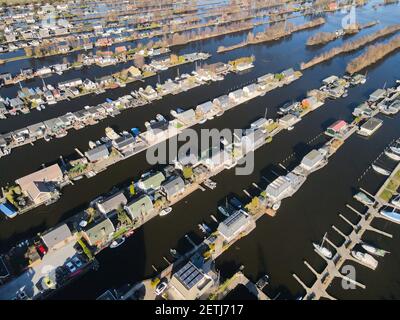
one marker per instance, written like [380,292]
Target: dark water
[279,245]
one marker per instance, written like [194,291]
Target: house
[250,90]
[57,237]
[113,202]
[16,103]
[173,187]
[369,127]
[267,78]
[311,160]
[134,72]
[124,143]
[260,123]
[288,120]
[89,85]
[53,125]
[338,129]
[289,74]
[237,223]
[330,80]
[190,283]
[98,153]
[20,135]
[218,67]
[105,80]
[70,84]
[40,185]
[283,186]
[363,110]
[236,96]
[99,233]
[139,207]
[149,93]
[252,140]
[204,108]
[36,130]
[377,95]
[151,182]
[215,157]
[120,50]
[222,102]
[311,102]
[187,117]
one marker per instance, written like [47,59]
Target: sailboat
[380,170]
[322,250]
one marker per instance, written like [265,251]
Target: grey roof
[189,275]
[97,153]
[112,202]
[233,223]
[55,236]
[123,142]
[173,186]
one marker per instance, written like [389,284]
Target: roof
[189,275]
[57,235]
[152,182]
[205,107]
[138,206]
[338,125]
[48,174]
[99,231]
[372,124]
[231,225]
[97,153]
[173,186]
[330,79]
[112,202]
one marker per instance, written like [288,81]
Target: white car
[70,267]
[77,262]
[161,287]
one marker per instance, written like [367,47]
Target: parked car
[77,262]
[161,287]
[41,249]
[70,266]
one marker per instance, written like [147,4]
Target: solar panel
[189,275]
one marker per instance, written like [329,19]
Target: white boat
[276,205]
[396,201]
[364,199]
[392,155]
[38,108]
[165,211]
[322,250]
[223,211]
[365,258]
[116,243]
[203,121]
[47,138]
[290,128]
[395,150]
[380,170]
[373,250]
[391,215]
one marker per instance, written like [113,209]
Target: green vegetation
[155,282]
[187,172]
[85,249]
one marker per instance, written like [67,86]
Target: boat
[262,282]
[203,121]
[202,229]
[220,113]
[223,211]
[392,155]
[373,250]
[290,128]
[380,170]
[174,253]
[276,205]
[117,242]
[38,108]
[47,138]
[364,199]
[396,201]
[92,144]
[165,211]
[110,133]
[322,250]
[391,215]
[395,150]
[365,258]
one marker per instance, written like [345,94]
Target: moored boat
[392,155]
[364,199]
[365,258]
[380,170]
[396,201]
[391,215]
[165,211]
[323,250]
[373,250]
[117,242]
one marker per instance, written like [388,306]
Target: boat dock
[343,252]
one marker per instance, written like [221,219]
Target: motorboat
[364,199]
[395,150]
[396,201]
[117,242]
[224,211]
[276,205]
[380,170]
[323,250]
[174,253]
[392,155]
[391,215]
[165,211]
[290,128]
[365,258]
[373,250]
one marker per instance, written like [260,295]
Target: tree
[187,172]
[132,189]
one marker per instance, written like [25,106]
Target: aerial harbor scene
[200,150]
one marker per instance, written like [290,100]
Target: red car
[41,249]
